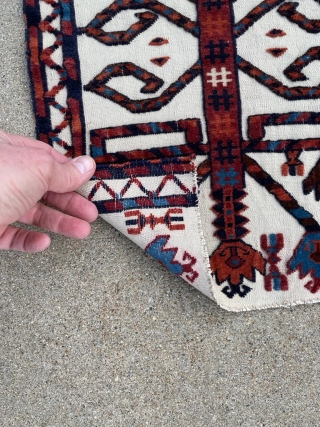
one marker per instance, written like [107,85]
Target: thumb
[71,175]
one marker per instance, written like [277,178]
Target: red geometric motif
[190,127]
[68,73]
[98,86]
[50,95]
[294,70]
[158,41]
[289,10]
[277,51]
[140,221]
[94,29]
[254,15]
[274,33]
[155,6]
[272,245]
[312,182]
[233,261]
[227,174]
[151,199]
[257,123]
[293,166]
[292,148]
[160,62]
[283,197]
[276,86]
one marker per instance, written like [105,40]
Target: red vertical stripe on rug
[76,127]
[221,96]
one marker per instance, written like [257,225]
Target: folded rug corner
[204,120]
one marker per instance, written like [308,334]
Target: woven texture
[203,118]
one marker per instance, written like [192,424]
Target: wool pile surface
[204,120]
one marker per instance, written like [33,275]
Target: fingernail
[84,164]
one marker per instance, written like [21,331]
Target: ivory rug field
[204,121]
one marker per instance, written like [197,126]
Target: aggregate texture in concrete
[95,333]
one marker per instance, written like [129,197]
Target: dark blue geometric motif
[221,100]
[217,51]
[209,4]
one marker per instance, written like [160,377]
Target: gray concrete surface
[95,333]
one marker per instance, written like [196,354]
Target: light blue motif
[304,258]
[164,256]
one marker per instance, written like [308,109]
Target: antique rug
[204,121]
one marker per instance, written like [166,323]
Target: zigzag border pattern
[152,199]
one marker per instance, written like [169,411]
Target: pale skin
[32,175]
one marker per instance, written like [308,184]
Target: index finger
[20,140]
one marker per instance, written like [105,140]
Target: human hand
[30,172]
